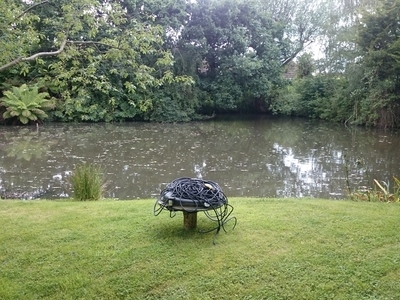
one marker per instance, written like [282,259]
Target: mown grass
[280,249]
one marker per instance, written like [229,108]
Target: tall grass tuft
[87,182]
[383,193]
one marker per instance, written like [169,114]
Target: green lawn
[280,249]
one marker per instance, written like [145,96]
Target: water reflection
[26,144]
[253,157]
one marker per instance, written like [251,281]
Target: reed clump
[87,182]
[381,192]
[376,191]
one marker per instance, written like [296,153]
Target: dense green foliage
[236,59]
[379,88]
[180,60]
[359,82]
[101,63]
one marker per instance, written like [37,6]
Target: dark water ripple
[254,157]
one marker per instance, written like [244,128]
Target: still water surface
[254,157]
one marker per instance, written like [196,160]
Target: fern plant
[26,104]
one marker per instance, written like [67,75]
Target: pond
[251,157]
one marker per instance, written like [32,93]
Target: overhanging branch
[33,57]
[294,54]
[32,7]
[52,53]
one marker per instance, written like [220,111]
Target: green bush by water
[26,104]
[87,182]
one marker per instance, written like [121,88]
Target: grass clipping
[87,182]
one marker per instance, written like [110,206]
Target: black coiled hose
[192,194]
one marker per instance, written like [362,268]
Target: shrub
[87,182]
[25,104]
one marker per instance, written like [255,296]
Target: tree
[379,40]
[99,61]
[229,48]
[359,81]
[305,65]
[301,22]
[338,31]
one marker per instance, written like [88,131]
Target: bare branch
[294,54]
[51,53]
[33,57]
[32,7]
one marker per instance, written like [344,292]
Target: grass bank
[280,249]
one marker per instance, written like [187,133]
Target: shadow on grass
[172,230]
